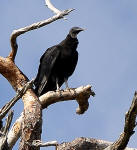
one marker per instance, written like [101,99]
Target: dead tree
[32,114]
[28,126]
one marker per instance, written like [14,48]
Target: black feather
[57,64]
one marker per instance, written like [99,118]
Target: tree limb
[11,103]
[86,144]
[130,124]
[3,134]
[130,120]
[51,7]
[31,125]
[81,94]
[16,33]
[38,143]
[32,108]
[15,132]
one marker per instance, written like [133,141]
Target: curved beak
[80,29]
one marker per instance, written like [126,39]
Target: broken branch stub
[81,94]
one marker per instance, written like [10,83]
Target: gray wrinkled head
[74,31]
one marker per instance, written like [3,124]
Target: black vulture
[57,64]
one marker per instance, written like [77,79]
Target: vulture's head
[74,31]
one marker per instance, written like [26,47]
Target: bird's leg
[66,83]
[57,85]
[58,88]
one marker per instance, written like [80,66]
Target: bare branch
[31,125]
[16,33]
[81,94]
[83,143]
[8,122]
[3,136]
[38,143]
[51,7]
[130,124]
[32,121]
[19,94]
[14,132]
[51,98]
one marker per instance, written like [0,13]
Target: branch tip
[38,143]
[16,33]
[51,7]
[57,11]
[130,124]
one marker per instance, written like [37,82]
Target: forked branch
[16,33]
[83,143]
[11,103]
[32,117]
[81,94]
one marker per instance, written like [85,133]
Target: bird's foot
[58,88]
[59,91]
[68,89]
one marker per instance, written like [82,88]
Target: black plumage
[57,64]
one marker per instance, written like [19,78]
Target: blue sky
[107,61]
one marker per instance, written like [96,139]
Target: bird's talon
[58,90]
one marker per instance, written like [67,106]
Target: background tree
[99,77]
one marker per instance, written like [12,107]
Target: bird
[57,64]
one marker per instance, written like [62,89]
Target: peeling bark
[32,115]
[52,97]
[81,94]
[12,73]
[86,144]
[29,125]
[32,108]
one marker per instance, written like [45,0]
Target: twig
[130,124]
[32,121]
[8,122]
[16,33]
[11,103]
[38,143]
[3,137]
[51,7]
[14,132]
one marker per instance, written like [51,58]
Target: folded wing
[47,63]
